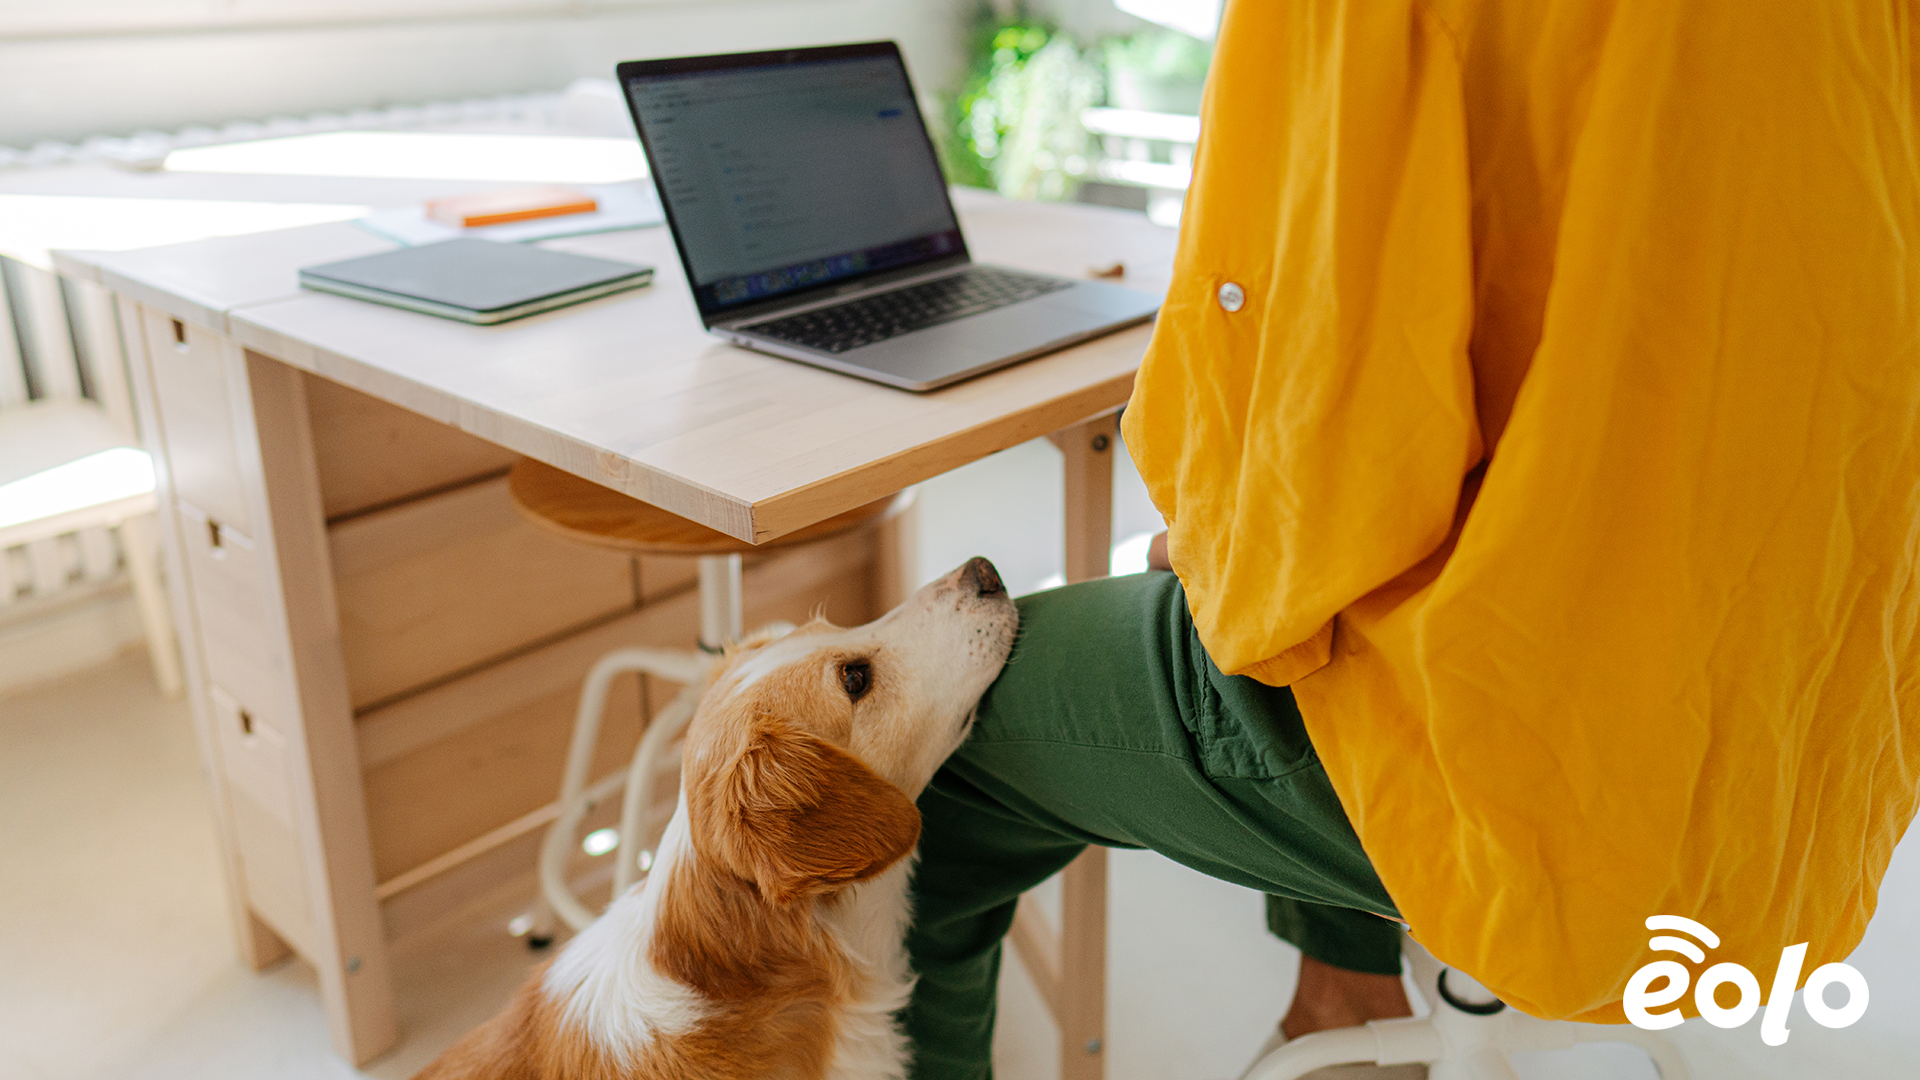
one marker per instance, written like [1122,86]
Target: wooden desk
[337,561]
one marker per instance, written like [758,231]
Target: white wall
[1009,507]
[71,87]
[1088,20]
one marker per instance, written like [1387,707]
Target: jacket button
[1232,297]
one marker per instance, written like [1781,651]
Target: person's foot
[1327,997]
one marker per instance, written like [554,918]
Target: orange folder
[516,204]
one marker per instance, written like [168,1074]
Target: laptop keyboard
[869,319]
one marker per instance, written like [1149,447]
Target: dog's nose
[980,576]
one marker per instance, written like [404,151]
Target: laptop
[814,223]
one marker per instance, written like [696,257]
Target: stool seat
[581,510]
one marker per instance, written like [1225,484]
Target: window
[36,18]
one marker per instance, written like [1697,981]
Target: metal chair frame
[720,624]
[1468,1035]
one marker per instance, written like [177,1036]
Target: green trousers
[1111,726]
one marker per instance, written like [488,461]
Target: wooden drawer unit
[272,868]
[253,757]
[488,773]
[447,583]
[662,576]
[253,751]
[228,585]
[195,375]
[372,454]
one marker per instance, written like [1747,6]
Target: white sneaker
[1338,1072]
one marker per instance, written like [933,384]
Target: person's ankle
[1328,997]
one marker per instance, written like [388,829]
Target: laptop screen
[791,170]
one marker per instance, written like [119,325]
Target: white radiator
[59,340]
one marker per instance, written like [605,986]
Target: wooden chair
[1468,1035]
[590,513]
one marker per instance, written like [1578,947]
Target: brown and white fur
[768,941]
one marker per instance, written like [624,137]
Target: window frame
[26,20]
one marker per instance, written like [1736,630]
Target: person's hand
[1157,553]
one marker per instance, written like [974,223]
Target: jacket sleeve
[1309,447]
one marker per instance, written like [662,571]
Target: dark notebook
[476,281]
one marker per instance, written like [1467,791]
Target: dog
[768,940]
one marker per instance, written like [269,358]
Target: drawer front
[493,770]
[373,454]
[455,581]
[253,757]
[194,374]
[273,868]
[253,754]
[229,589]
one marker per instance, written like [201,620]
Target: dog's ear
[801,817]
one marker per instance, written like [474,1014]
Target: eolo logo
[1640,999]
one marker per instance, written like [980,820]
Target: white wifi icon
[1681,945]
[1640,998]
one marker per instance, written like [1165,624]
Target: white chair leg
[635,836]
[142,547]
[720,624]
[1422,967]
[558,846]
[1468,1044]
[1477,1063]
[1301,1056]
[720,602]
[541,919]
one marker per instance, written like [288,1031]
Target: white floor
[116,963]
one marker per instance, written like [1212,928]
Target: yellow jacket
[1563,455]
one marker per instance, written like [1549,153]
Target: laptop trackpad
[966,345]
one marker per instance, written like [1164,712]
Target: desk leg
[1072,967]
[349,950]
[1088,468]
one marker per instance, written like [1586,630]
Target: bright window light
[31,224]
[95,479]
[1129,556]
[423,155]
[1199,18]
[600,841]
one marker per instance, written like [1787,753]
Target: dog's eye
[856,675]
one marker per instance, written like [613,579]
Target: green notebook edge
[640,277]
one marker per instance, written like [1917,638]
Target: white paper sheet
[629,205]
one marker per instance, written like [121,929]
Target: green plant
[1158,70]
[1016,122]
[1164,55]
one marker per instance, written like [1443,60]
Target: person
[1535,413]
